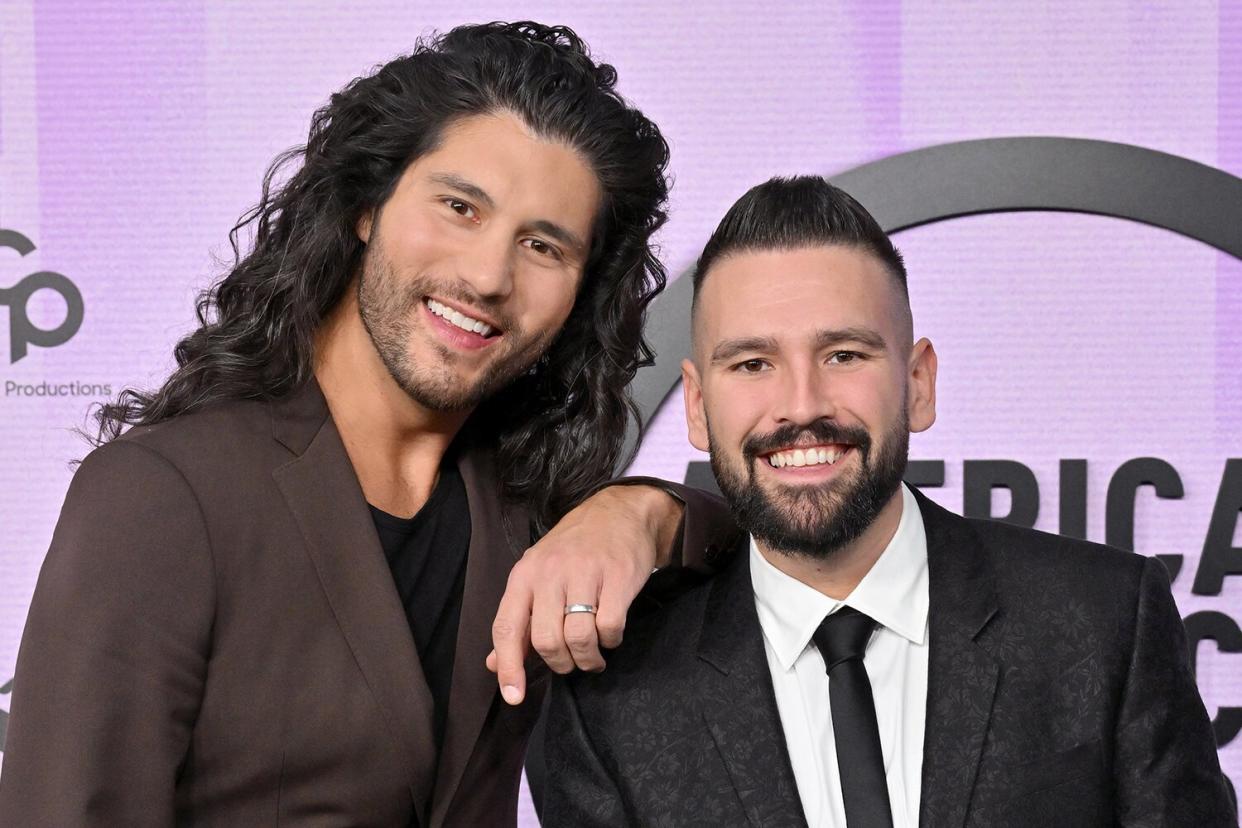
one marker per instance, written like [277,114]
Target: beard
[389,307]
[813,521]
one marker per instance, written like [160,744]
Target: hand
[601,554]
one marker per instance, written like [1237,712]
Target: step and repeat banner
[1061,177]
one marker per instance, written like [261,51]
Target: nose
[489,265]
[804,395]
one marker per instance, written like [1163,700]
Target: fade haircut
[803,211]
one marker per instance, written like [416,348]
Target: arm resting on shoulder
[114,653]
[706,532]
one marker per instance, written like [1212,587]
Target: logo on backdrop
[996,175]
[22,332]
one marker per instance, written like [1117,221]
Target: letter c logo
[23,332]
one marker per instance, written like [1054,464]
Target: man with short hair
[271,599]
[869,659]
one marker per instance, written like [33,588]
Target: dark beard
[387,307]
[814,522]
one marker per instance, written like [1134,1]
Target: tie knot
[843,635]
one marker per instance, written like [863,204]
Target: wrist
[654,507]
[662,513]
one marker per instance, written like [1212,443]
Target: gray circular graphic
[995,175]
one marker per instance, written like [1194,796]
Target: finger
[510,632]
[579,628]
[614,604]
[547,622]
[491,661]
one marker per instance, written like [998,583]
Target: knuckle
[578,641]
[545,643]
[517,574]
[610,629]
[594,663]
[503,630]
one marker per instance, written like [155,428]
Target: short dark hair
[558,430]
[803,211]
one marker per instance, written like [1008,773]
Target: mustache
[820,431]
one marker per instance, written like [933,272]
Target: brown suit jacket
[216,639]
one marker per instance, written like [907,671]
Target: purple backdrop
[132,134]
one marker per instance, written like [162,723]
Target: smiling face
[473,264]
[804,387]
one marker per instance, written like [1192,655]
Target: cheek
[414,240]
[877,404]
[736,410]
[546,300]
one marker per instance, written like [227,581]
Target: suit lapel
[739,705]
[322,493]
[962,673]
[498,537]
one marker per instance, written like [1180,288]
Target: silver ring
[572,608]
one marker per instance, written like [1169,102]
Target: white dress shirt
[895,594]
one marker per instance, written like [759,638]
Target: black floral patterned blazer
[1059,694]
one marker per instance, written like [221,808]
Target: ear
[363,226]
[696,416]
[921,400]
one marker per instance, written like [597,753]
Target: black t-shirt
[427,556]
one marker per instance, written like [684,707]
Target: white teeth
[457,318]
[803,457]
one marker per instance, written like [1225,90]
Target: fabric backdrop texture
[134,133]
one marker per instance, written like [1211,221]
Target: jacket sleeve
[114,653]
[1166,769]
[580,791]
[707,535]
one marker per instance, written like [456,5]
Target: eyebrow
[863,336]
[730,348]
[466,188]
[474,192]
[824,338]
[561,234]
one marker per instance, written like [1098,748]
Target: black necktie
[842,640]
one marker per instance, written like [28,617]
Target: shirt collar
[894,592]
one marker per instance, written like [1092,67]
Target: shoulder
[1033,549]
[219,446]
[1033,563]
[1028,563]
[1076,596]
[180,476]
[233,427]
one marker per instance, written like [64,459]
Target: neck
[395,444]
[837,574]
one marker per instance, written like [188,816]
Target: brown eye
[459,207]
[542,248]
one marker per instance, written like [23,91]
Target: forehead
[791,294]
[519,170]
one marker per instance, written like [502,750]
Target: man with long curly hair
[271,592]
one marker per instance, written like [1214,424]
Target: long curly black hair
[557,430]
